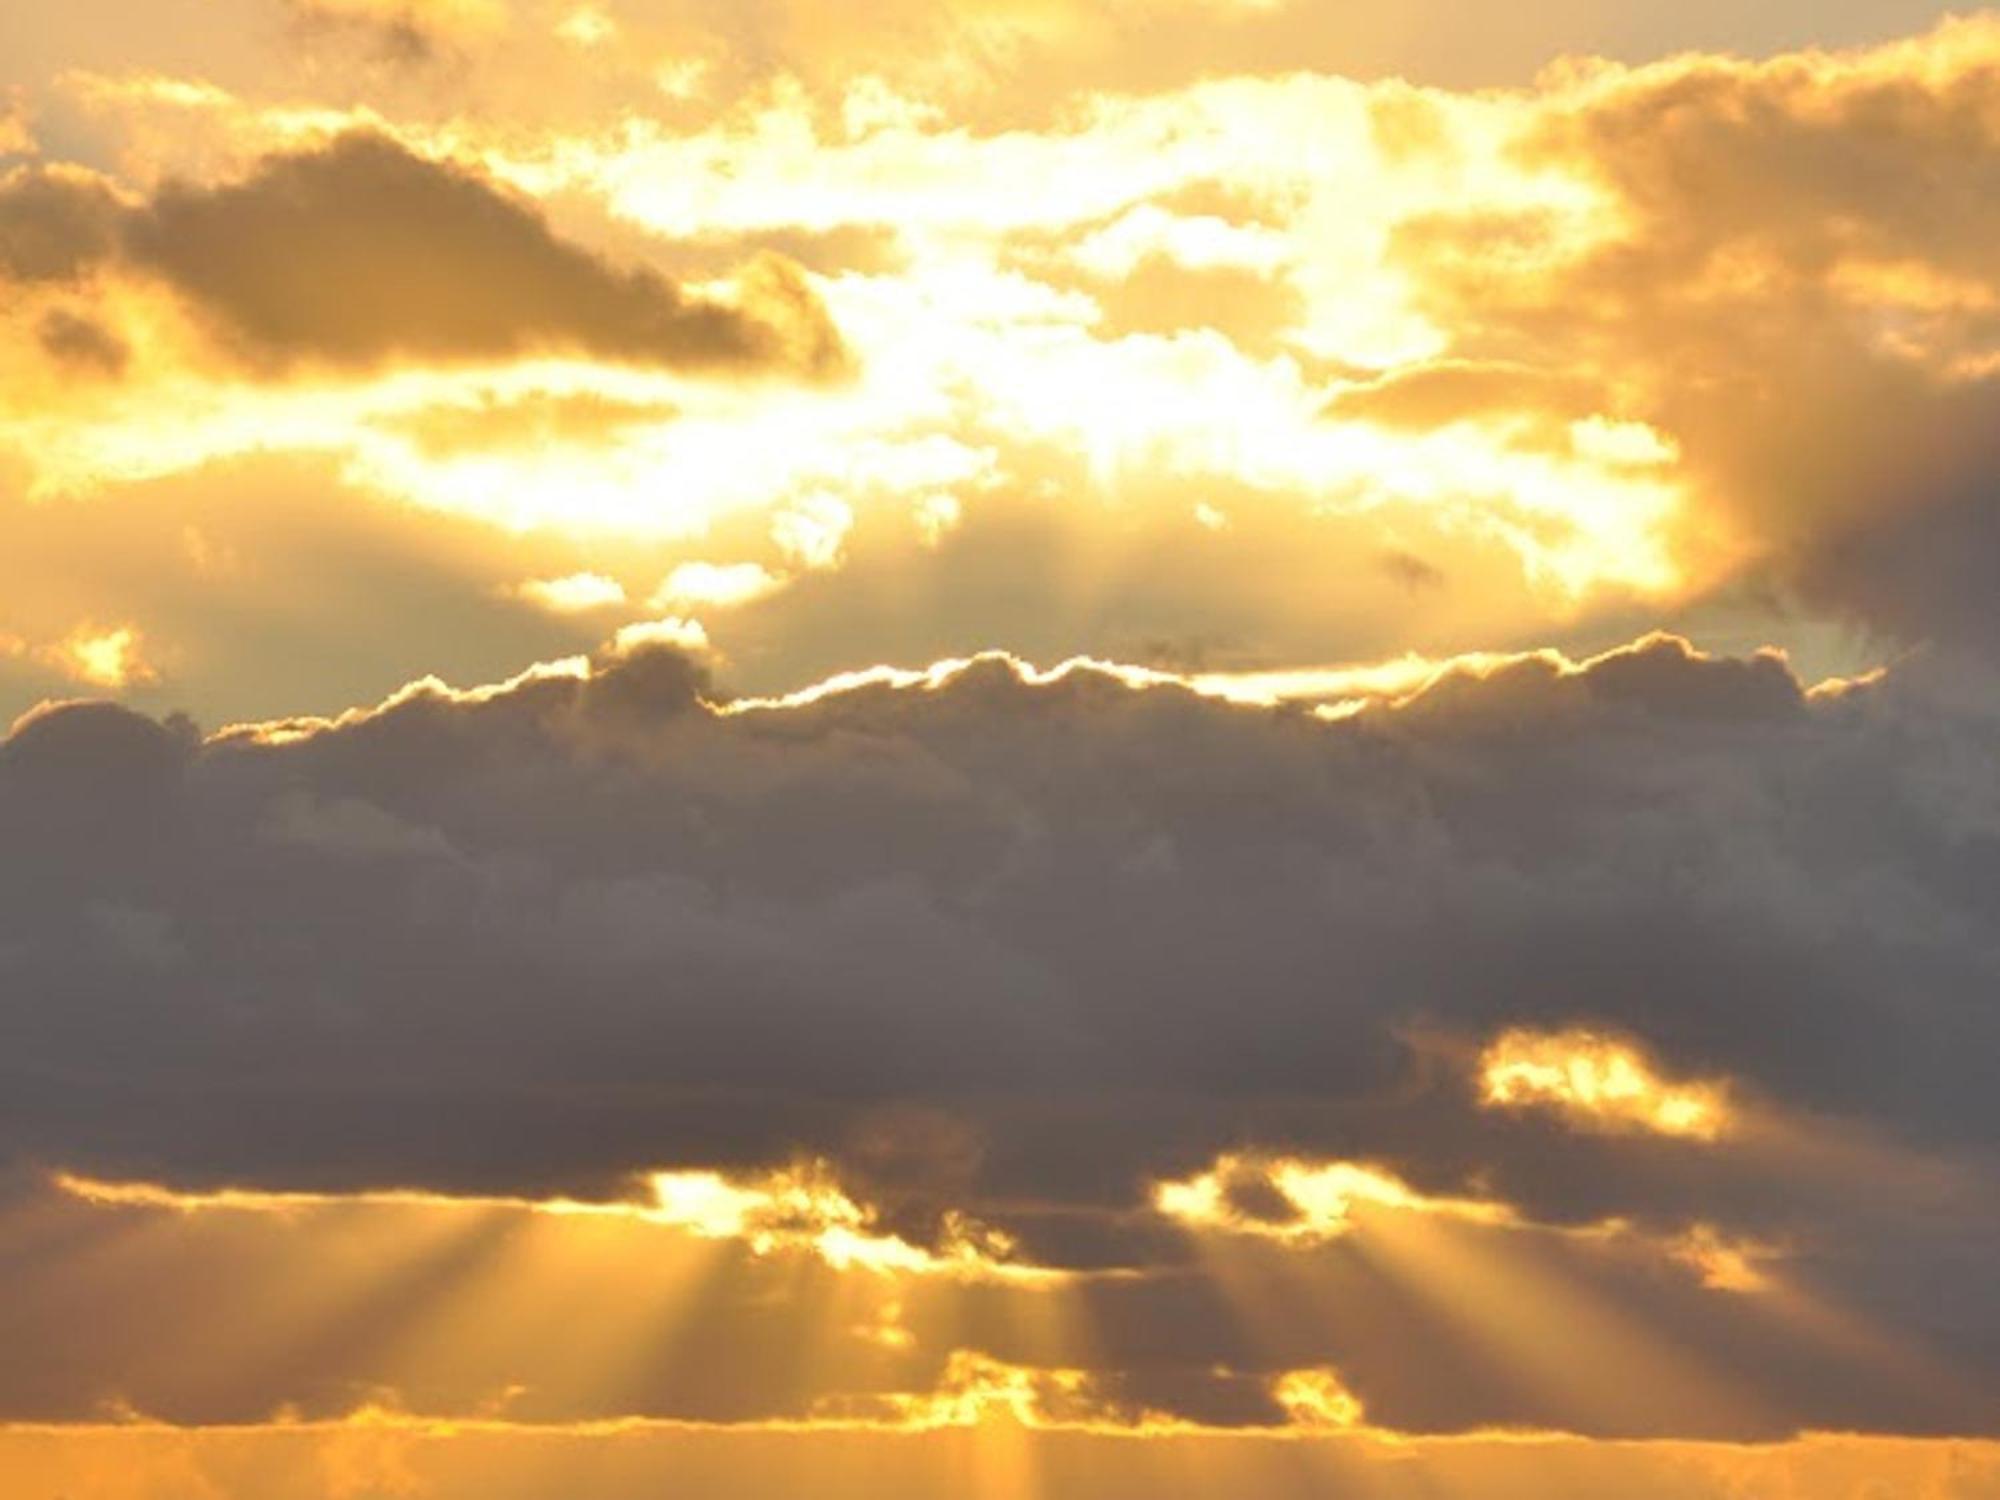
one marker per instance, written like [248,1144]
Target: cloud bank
[1022,947]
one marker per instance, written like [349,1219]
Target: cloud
[361,252]
[574,593]
[56,223]
[81,342]
[104,658]
[97,657]
[920,823]
[722,584]
[1298,1201]
[813,532]
[1472,355]
[798,1208]
[1641,996]
[1788,278]
[1599,1083]
[1092,933]
[672,631]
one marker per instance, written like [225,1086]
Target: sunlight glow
[577,593]
[1317,1399]
[978,368]
[1596,1082]
[1301,1202]
[103,659]
[719,584]
[1724,1264]
[682,635]
[977,1388]
[799,1208]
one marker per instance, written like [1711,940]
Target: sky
[999,749]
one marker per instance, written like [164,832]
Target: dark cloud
[1094,879]
[1019,948]
[55,225]
[79,340]
[362,252]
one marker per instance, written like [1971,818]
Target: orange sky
[998,748]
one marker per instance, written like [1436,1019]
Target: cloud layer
[1022,948]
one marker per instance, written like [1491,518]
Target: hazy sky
[999,749]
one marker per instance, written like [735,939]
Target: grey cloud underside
[1019,947]
[362,252]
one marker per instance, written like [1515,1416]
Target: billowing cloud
[971,814]
[1789,278]
[1016,949]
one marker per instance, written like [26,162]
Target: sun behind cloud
[998,748]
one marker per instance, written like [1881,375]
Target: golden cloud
[1597,1082]
[1303,1202]
[574,593]
[799,1209]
